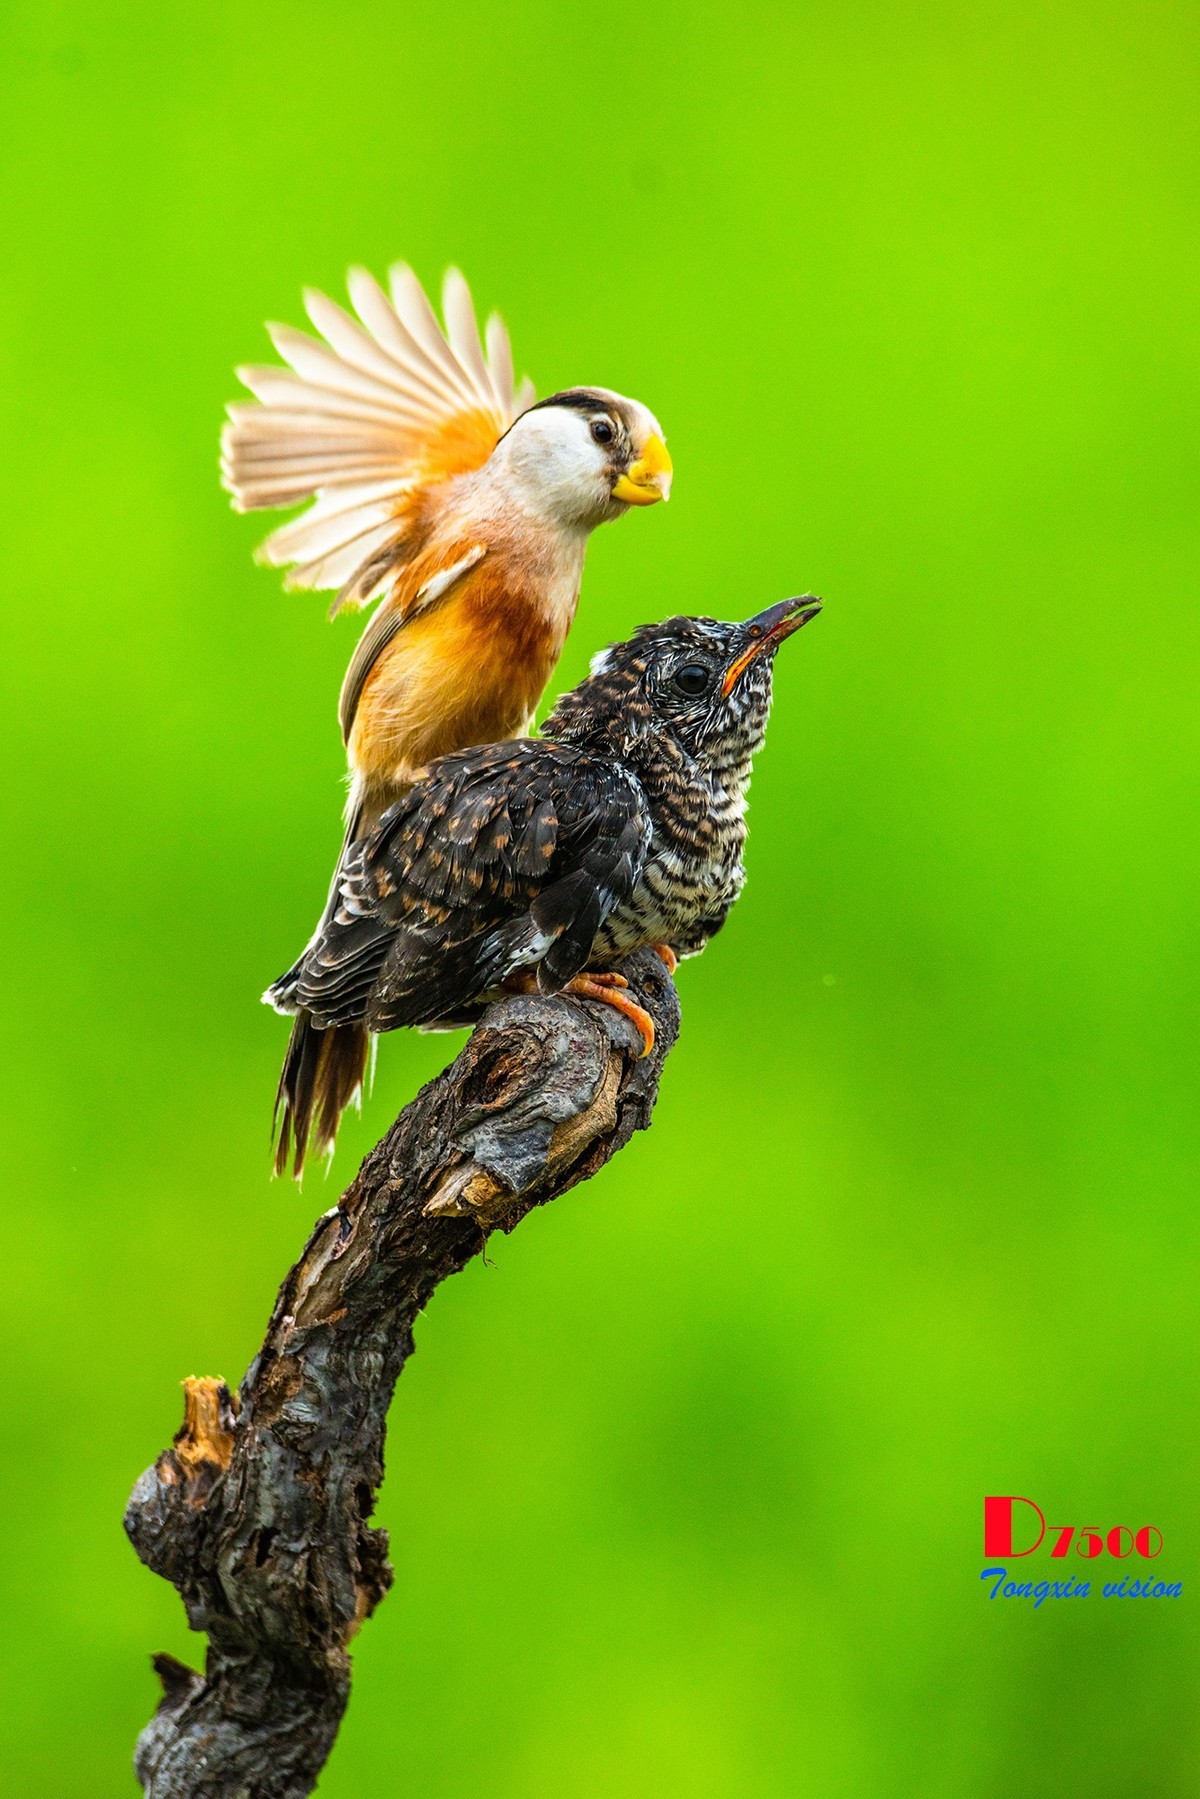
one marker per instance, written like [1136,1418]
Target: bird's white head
[584,456]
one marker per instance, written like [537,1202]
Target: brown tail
[322,1072]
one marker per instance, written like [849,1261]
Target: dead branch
[259,1512]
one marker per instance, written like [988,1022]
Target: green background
[685,1490]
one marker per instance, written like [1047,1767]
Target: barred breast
[694,870]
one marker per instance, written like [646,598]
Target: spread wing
[364,423]
[503,858]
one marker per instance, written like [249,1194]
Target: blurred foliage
[685,1489]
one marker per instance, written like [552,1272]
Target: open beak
[768,630]
[649,478]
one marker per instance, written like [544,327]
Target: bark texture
[260,1511]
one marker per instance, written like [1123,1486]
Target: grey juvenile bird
[543,861]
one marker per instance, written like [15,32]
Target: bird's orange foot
[666,955]
[610,989]
[526,981]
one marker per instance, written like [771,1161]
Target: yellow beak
[649,478]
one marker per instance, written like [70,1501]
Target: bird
[538,864]
[453,498]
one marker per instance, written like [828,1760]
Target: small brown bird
[459,504]
[544,862]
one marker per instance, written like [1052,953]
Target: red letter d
[998,1526]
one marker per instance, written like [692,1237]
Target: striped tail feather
[324,1068]
[323,1072]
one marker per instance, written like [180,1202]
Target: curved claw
[609,990]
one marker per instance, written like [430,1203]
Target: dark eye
[602,431]
[693,679]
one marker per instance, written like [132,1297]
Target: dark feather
[493,852]
[621,827]
[323,1071]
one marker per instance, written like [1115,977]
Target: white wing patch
[445,578]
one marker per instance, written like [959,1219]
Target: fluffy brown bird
[458,503]
[545,862]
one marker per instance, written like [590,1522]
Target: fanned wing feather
[500,362]
[420,321]
[463,333]
[364,421]
[339,517]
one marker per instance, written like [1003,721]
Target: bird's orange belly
[449,678]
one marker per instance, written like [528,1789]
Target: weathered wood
[259,1512]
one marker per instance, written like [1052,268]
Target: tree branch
[259,1511]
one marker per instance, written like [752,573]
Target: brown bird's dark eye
[693,679]
[602,431]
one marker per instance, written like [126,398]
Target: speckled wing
[501,858]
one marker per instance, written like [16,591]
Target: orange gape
[470,669]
